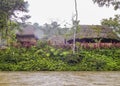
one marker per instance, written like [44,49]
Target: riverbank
[48,58]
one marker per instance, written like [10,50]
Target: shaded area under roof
[93,40]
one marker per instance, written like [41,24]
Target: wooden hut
[56,40]
[26,36]
[93,33]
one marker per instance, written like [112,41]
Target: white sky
[45,11]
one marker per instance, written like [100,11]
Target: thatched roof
[26,33]
[56,40]
[28,30]
[96,31]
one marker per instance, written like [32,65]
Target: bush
[48,58]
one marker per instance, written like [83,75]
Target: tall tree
[114,3]
[51,29]
[75,25]
[9,10]
[12,7]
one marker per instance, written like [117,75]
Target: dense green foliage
[113,23]
[48,58]
[9,10]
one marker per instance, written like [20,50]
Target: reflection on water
[59,78]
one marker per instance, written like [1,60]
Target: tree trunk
[75,22]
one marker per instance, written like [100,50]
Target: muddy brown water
[46,78]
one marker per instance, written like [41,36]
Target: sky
[46,11]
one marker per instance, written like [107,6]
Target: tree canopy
[113,23]
[9,10]
[114,3]
[11,6]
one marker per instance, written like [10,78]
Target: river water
[46,78]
